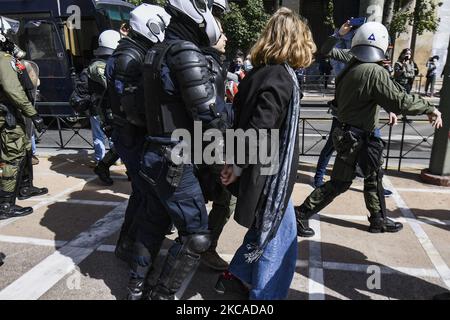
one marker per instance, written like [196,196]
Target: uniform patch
[372,37]
[14,67]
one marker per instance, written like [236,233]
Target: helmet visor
[200,5]
[368,53]
[9,26]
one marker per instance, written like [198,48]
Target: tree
[244,24]
[399,14]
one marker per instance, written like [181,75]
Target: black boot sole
[5,217]
[384,229]
[305,235]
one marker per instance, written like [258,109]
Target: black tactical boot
[379,224]
[303,229]
[2,258]
[102,171]
[8,210]
[135,289]
[28,192]
[442,296]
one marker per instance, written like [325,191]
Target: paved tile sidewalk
[64,250]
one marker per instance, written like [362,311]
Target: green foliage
[329,14]
[425,16]
[400,23]
[422,17]
[244,24]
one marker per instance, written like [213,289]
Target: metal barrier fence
[324,84]
[398,146]
[412,142]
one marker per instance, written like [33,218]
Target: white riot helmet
[221,6]
[107,43]
[370,42]
[7,28]
[199,11]
[150,21]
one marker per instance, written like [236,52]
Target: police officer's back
[179,90]
[361,88]
[126,93]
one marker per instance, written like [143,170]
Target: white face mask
[200,11]
[248,66]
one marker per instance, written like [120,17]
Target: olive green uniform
[361,89]
[13,140]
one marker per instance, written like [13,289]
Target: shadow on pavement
[392,284]
[66,220]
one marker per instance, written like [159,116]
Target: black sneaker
[103,174]
[387,193]
[227,283]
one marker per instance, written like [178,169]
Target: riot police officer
[100,114]
[179,90]
[126,94]
[223,203]
[14,105]
[361,88]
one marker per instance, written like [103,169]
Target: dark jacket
[262,103]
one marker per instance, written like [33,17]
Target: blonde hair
[286,38]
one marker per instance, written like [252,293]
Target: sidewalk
[65,249]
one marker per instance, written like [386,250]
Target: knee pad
[198,243]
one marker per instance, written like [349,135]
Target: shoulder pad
[182,46]
[185,54]
[128,62]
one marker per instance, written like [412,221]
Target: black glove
[108,130]
[38,123]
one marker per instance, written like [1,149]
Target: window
[112,16]
[42,42]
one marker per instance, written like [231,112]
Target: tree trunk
[388,13]
[414,31]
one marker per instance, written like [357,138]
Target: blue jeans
[99,138]
[270,277]
[325,156]
[33,144]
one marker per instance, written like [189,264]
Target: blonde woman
[268,98]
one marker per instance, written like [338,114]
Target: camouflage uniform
[361,89]
[13,140]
